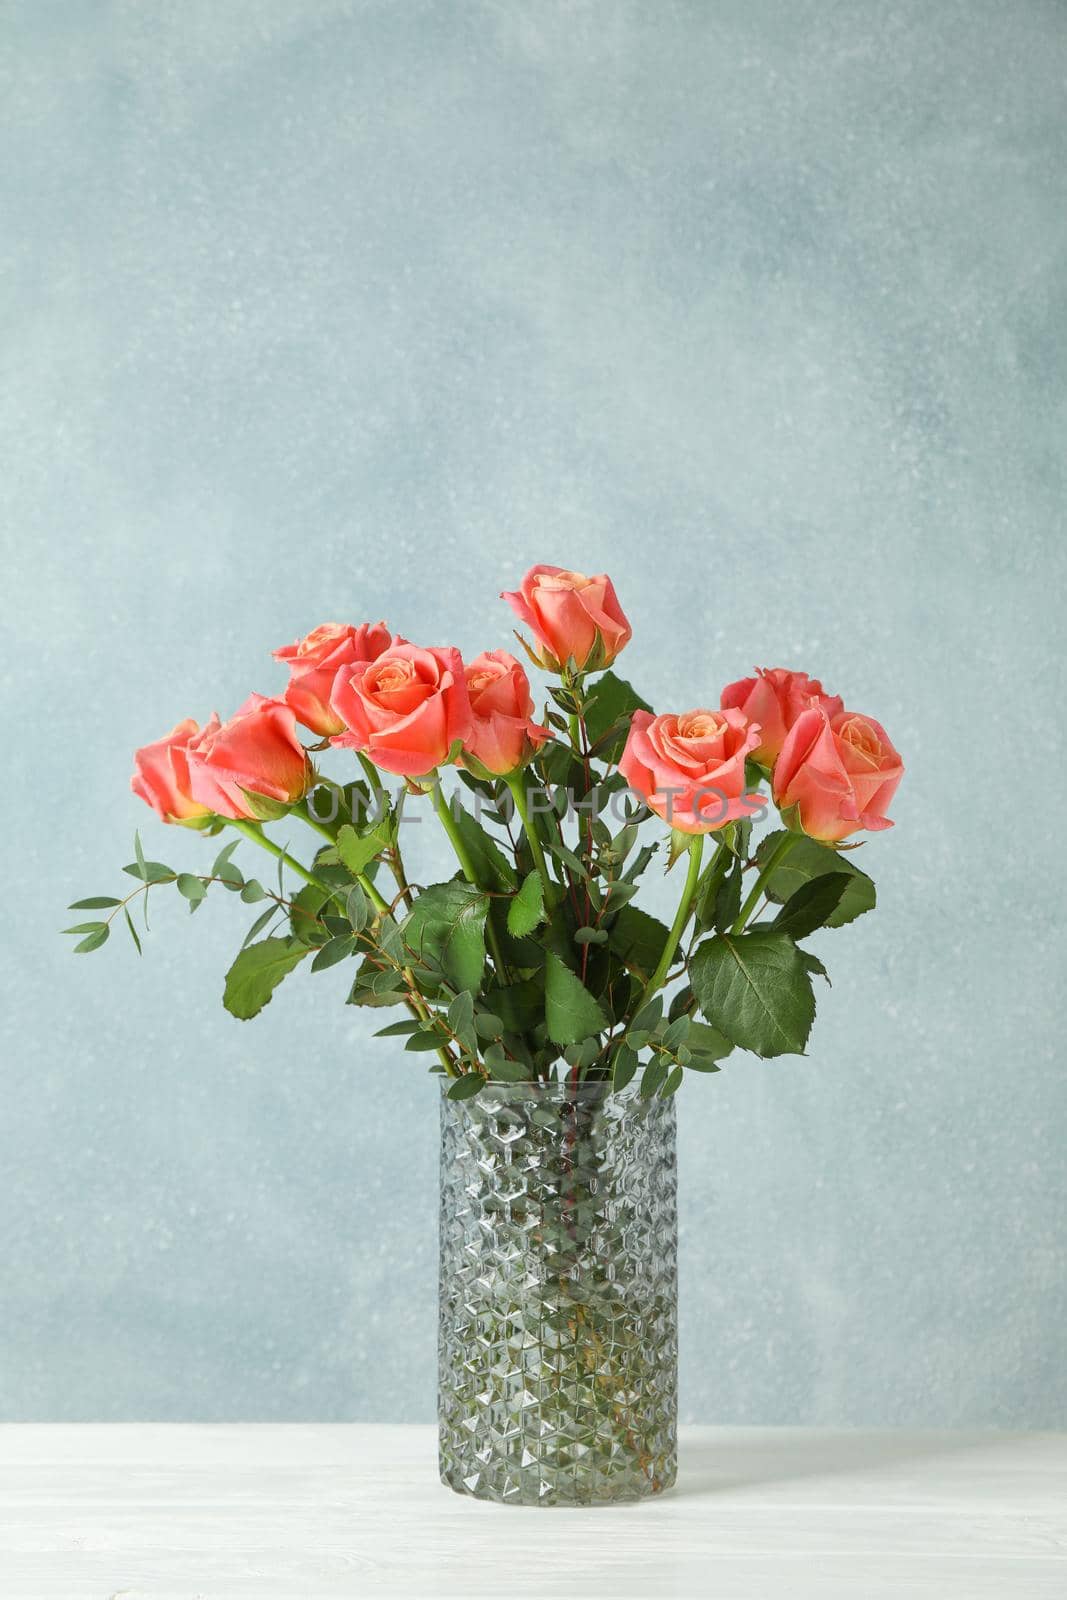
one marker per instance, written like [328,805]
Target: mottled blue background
[326,309]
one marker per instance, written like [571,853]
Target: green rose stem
[463,855]
[254,831]
[393,856]
[692,877]
[415,1002]
[776,856]
[516,782]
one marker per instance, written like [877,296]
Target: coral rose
[161,776]
[407,710]
[774,698]
[836,775]
[314,663]
[503,733]
[253,766]
[573,617]
[690,769]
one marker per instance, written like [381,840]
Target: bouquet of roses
[535,953]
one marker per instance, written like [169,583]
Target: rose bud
[774,698]
[573,618]
[690,769]
[503,733]
[161,777]
[408,710]
[252,767]
[314,662]
[836,775]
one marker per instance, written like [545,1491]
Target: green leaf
[96,934]
[305,915]
[755,989]
[487,1025]
[357,908]
[813,904]
[491,867]
[708,1043]
[652,1077]
[256,974]
[466,1087]
[138,854]
[150,872]
[191,887]
[504,1069]
[333,951]
[258,926]
[86,927]
[638,940]
[424,1042]
[518,1005]
[253,892]
[527,910]
[728,900]
[648,1017]
[807,859]
[96,902]
[571,1013]
[446,926]
[461,1011]
[813,964]
[611,706]
[133,930]
[398,1030]
[357,853]
[223,858]
[673,1079]
[589,935]
[624,1068]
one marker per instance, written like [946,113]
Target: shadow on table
[730,1461]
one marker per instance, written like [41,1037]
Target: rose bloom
[161,776]
[774,698]
[252,766]
[836,774]
[314,663]
[503,733]
[571,616]
[406,709]
[690,769]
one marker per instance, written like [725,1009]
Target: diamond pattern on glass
[558,1331]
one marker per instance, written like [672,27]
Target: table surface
[254,1512]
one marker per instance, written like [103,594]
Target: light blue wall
[326,309]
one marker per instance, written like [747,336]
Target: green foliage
[755,989]
[466,1087]
[607,715]
[257,972]
[807,859]
[637,940]
[357,852]
[571,1012]
[491,868]
[446,931]
[813,904]
[527,910]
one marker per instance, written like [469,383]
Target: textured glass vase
[558,1337]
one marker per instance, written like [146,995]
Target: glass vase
[558,1330]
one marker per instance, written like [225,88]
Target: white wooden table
[257,1512]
